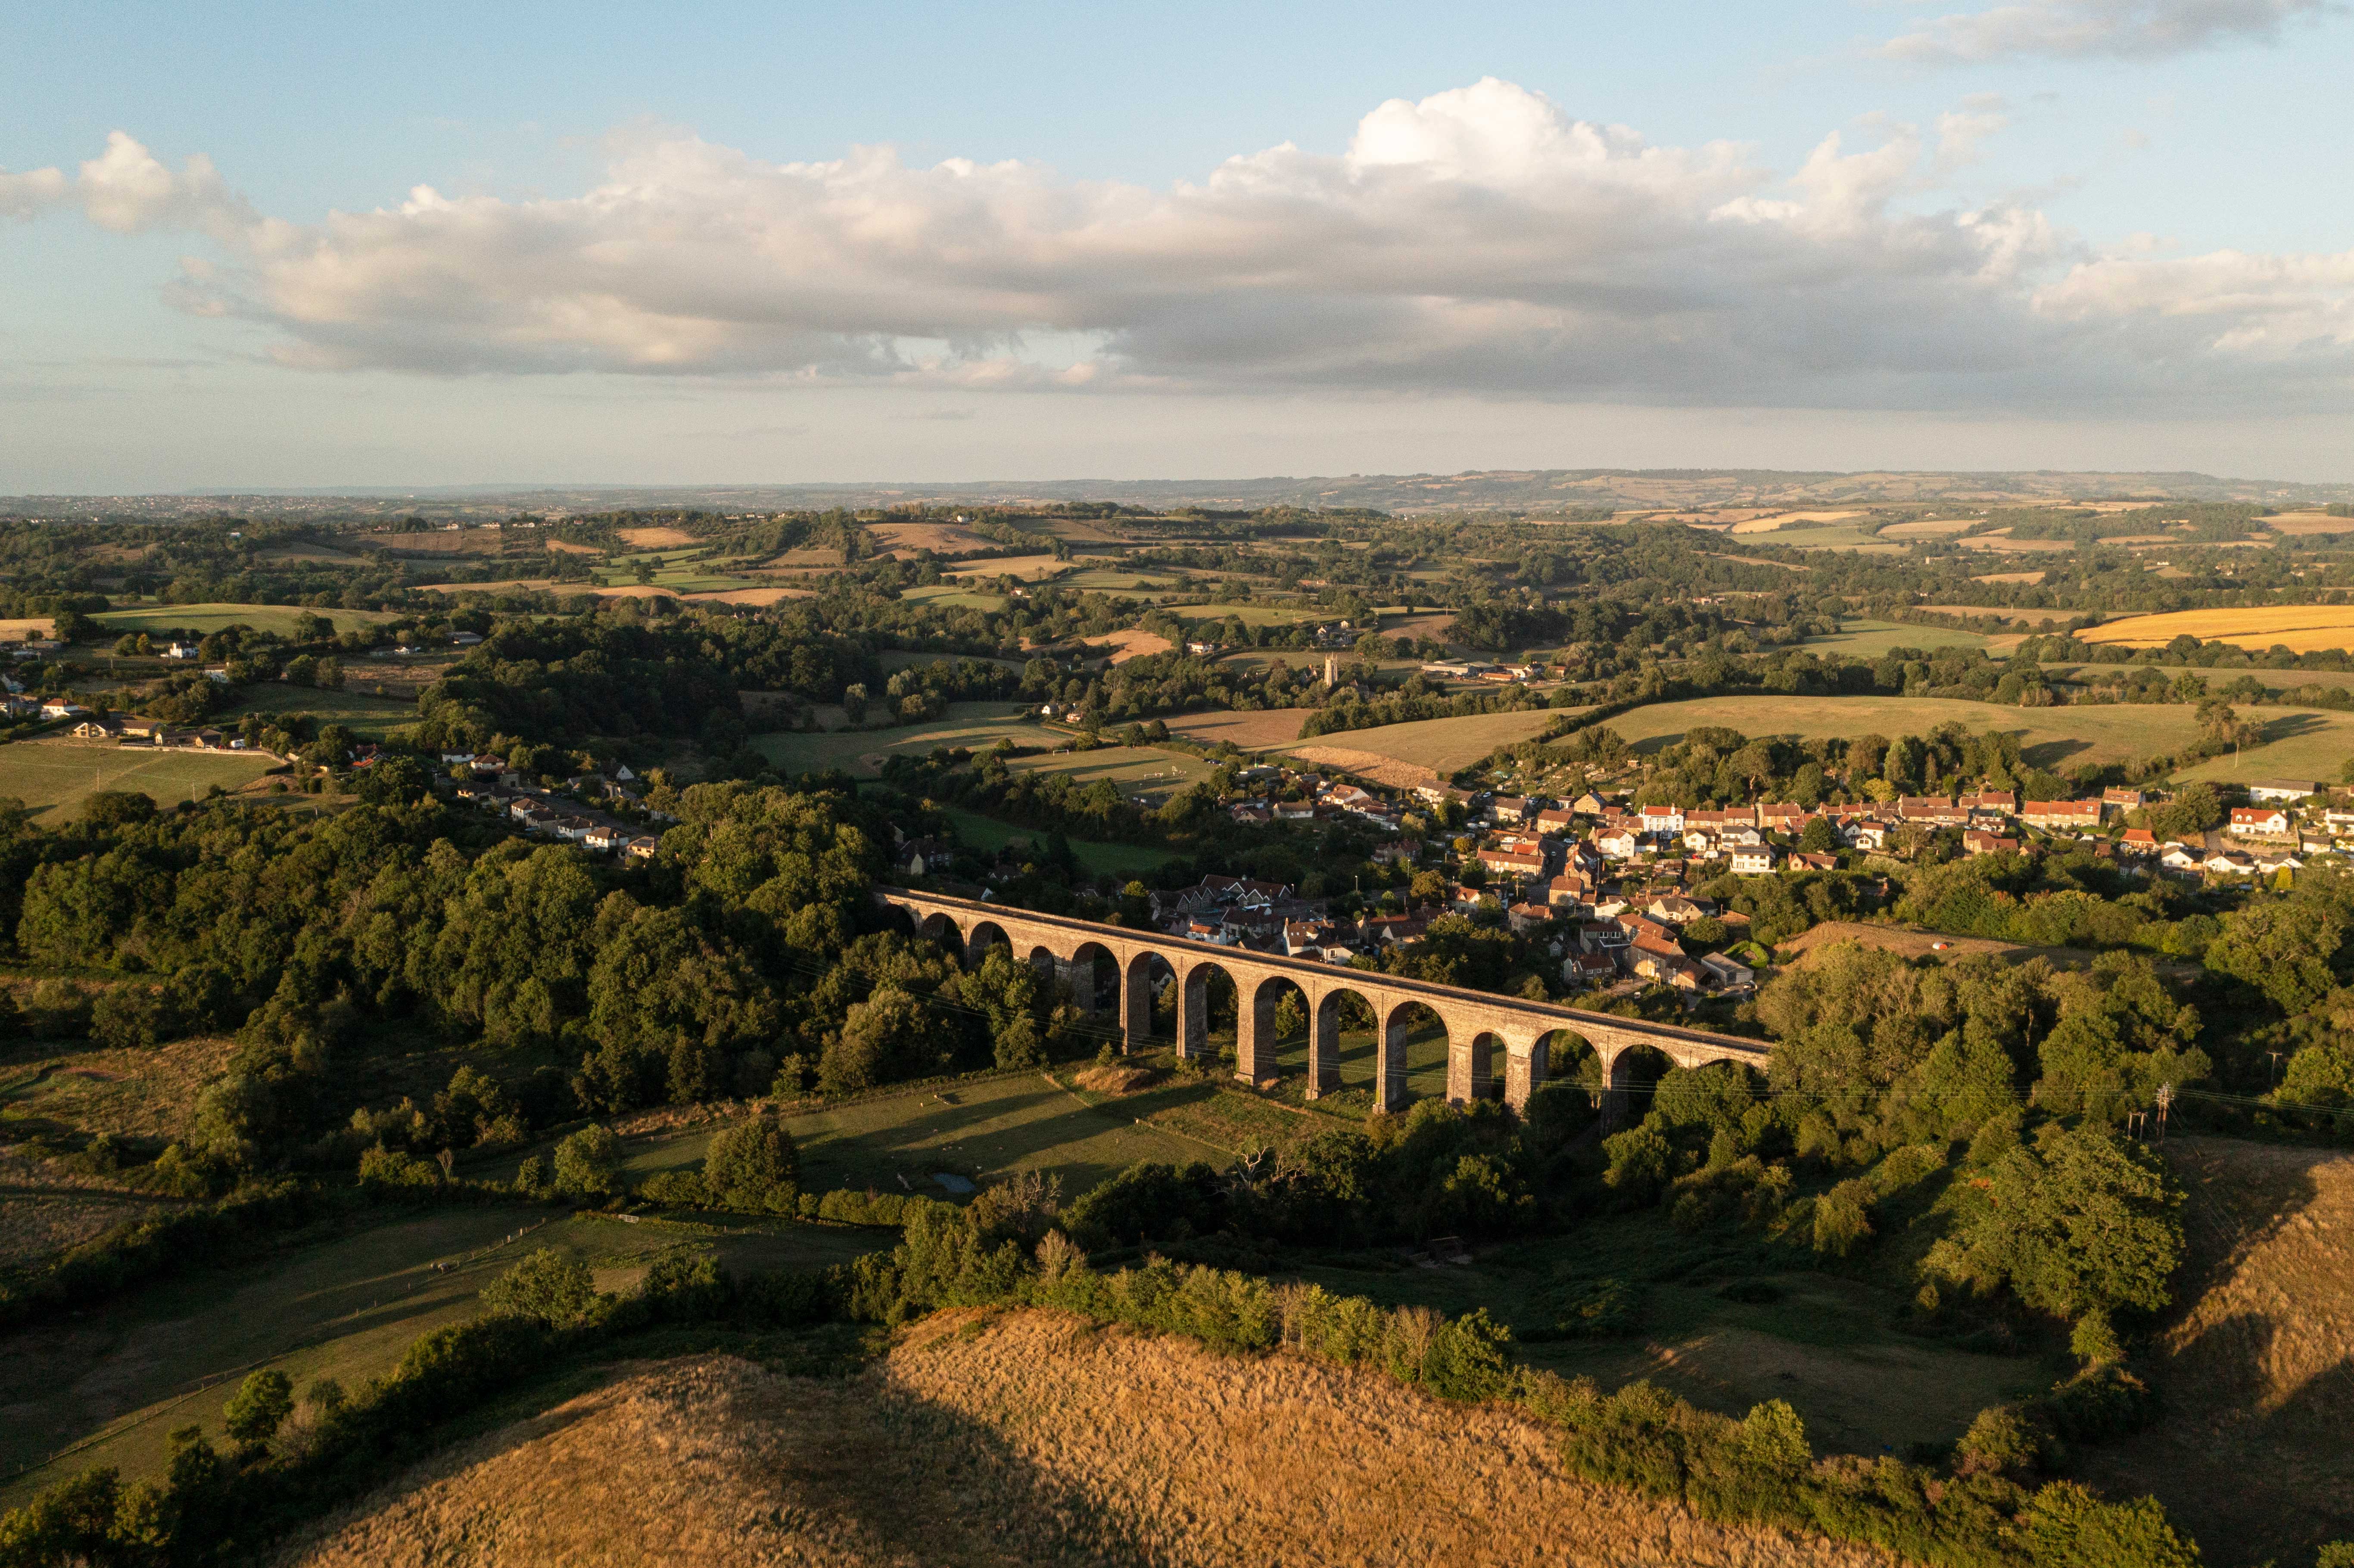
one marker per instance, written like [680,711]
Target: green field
[955,596]
[346,1306]
[1440,744]
[2274,681]
[203,618]
[904,659]
[1249,614]
[370,718]
[980,1130]
[681,571]
[1111,580]
[1134,770]
[988,834]
[52,777]
[2049,738]
[1871,639]
[1825,536]
[2300,743]
[860,751]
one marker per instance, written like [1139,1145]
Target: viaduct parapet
[1480,1025]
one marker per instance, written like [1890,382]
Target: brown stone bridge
[1479,1023]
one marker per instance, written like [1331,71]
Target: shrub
[1166,1202]
[754,1168]
[675,1189]
[1639,1165]
[2001,1441]
[260,1407]
[2067,1526]
[386,1170]
[589,1164]
[1842,1219]
[545,1286]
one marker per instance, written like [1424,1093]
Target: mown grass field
[906,659]
[989,835]
[1441,746]
[370,718]
[1828,537]
[345,1307]
[2305,743]
[203,617]
[1248,614]
[2049,736]
[2300,628]
[1134,770]
[1251,731]
[955,596]
[860,751]
[981,1131]
[51,776]
[1871,639]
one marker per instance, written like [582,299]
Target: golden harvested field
[1440,745]
[940,538]
[2257,1366]
[761,596]
[2302,628]
[1253,732]
[562,547]
[1773,520]
[806,558]
[1370,765]
[36,626]
[1026,1437]
[1132,643]
[1023,568]
[437,542]
[658,538]
[519,584]
[2307,522]
[2036,576]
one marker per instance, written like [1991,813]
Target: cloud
[125,189]
[1479,241]
[2114,30]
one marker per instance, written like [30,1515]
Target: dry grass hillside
[2257,1371]
[1028,1438]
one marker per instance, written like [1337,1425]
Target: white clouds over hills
[1480,240]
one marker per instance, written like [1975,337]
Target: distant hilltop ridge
[1537,492]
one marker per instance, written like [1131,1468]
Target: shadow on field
[2250,1455]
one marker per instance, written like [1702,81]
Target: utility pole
[2275,1058]
[2165,1099]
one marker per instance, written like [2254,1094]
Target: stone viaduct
[1479,1023]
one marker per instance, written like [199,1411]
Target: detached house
[2259,823]
[1661,819]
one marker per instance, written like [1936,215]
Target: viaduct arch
[1480,1026]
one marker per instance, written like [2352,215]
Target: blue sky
[653,254]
